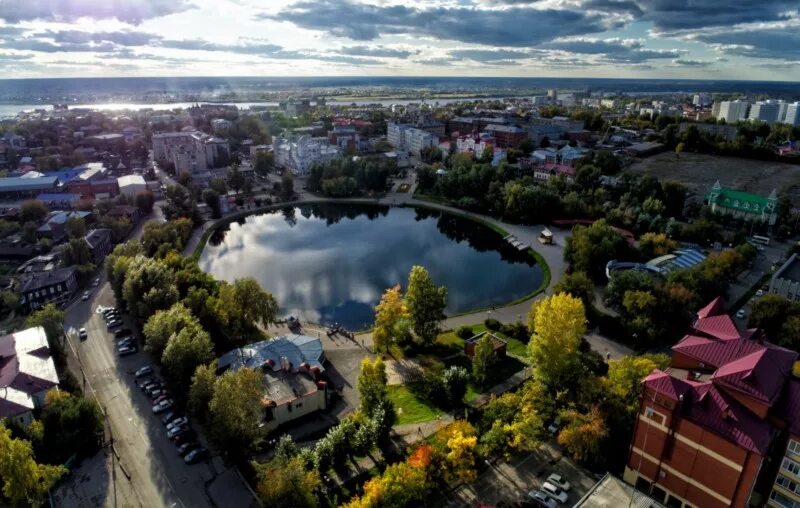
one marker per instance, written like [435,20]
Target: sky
[700,39]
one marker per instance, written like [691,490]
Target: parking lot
[512,481]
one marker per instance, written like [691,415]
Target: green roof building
[743,204]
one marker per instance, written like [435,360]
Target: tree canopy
[558,323]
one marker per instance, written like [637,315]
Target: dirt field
[699,172]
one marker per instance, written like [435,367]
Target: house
[131,185]
[55,226]
[744,205]
[27,372]
[93,182]
[543,172]
[131,213]
[710,426]
[291,367]
[500,346]
[507,136]
[40,288]
[99,243]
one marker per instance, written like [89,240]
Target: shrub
[492,324]
[516,331]
[465,332]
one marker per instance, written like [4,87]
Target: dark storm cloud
[496,27]
[128,11]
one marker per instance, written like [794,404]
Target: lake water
[331,263]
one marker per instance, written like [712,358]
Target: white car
[554,492]
[760,293]
[559,481]
[163,406]
[542,499]
[85,296]
[740,314]
[96,282]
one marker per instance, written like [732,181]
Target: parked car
[161,397]
[113,316]
[122,332]
[163,406]
[187,447]
[113,324]
[126,350]
[150,384]
[183,436]
[760,293]
[177,430]
[542,499]
[168,417]
[559,481]
[85,296]
[96,282]
[740,314]
[82,334]
[177,422]
[554,492]
[156,393]
[143,371]
[127,341]
[196,455]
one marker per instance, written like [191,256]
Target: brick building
[710,426]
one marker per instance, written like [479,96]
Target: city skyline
[515,38]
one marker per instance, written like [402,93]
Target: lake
[331,263]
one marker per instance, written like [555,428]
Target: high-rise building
[702,100]
[792,114]
[710,427]
[733,111]
[765,111]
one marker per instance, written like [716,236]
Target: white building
[301,154]
[131,185]
[702,100]
[765,111]
[191,151]
[733,111]
[792,114]
[408,138]
[27,372]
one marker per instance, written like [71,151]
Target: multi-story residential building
[27,372]
[702,100]
[468,124]
[507,136]
[299,155]
[345,137]
[54,286]
[708,425]
[765,111]
[408,138]
[792,116]
[743,204]
[733,111]
[191,151]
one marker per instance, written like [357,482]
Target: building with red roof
[710,427]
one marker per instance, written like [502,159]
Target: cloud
[779,42]
[15,57]
[613,50]
[127,11]
[376,51]
[514,26]
[122,38]
[683,62]
[45,46]
[437,61]
[489,56]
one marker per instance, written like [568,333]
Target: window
[788,484]
[791,466]
[794,447]
[782,500]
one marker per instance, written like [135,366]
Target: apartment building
[708,426]
[191,151]
[409,138]
[507,136]
[792,114]
[733,111]
[765,111]
[300,154]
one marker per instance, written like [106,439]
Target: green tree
[211,198]
[186,350]
[51,318]
[235,410]
[624,379]
[235,178]
[558,323]
[144,202]
[284,483]
[454,382]
[652,245]
[72,426]
[202,389]
[769,313]
[164,324]
[577,284]
[287,186]
[149,286]
[241,305]
[590,248]
[33,211]
[392,320]
[77,253]
[219,186]
[372,385]
[75,227]
[264,163]
[583,433]
[483,360]
[426,304]
[25,482]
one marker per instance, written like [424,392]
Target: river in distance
[330,263]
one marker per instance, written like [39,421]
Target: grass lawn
[452,342]
[410,409]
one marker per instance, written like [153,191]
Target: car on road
[163,406]
[559,481]
[740,314]
[196,455]
[143,371]
[85,296]
[82,334]
[542,499]
[177,422]
[187,447]
[174,431]
[554,492]
[127,341]
[760,293]
[126,350]
[96,282]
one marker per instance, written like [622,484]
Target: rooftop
[26,369]
[274,353]
[611,492]
[45,279]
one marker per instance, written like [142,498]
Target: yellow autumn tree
[558,323]
[454,452]
[392,319]
[624,378]
[582,433]
[400,484]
